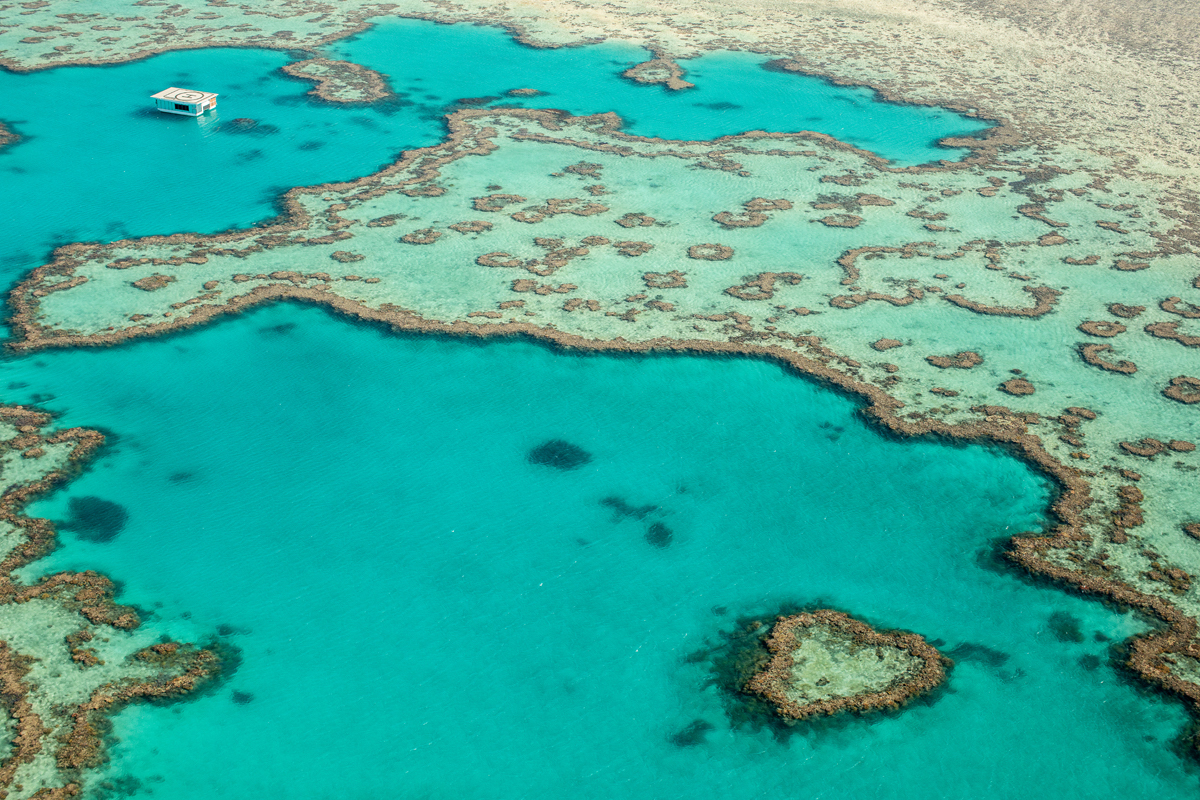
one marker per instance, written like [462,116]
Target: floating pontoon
[184,101]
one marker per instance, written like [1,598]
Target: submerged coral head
[95,519]
[559,454]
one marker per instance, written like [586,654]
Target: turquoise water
[423,613]
[98,163]
[733,92]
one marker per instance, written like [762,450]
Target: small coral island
[824,662]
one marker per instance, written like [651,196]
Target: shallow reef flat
[1101,75]
[70,654]
[1031,297]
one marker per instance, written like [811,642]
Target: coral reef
[710,252]
[1017,386]
[340,81]
[1091,354]
[658,70]
[53,738]
[964,360]
[1183,389]
[7,137]
[825,662]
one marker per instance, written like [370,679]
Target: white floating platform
[188,102]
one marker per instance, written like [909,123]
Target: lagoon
[424,612]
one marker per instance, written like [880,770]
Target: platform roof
[177,95]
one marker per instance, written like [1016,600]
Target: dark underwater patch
[242,698]
[95,519]
[559,454]
[1065,627]
[246,125]
[282,329]
[659,535]
[979,653]
[1090,662]
[181,477]
[621,509]
[692,734]
[119,786]
[722,105]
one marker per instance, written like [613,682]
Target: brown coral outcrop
[1170,330]
[152,283]
[962,360]
[1090,353]
[840,221]
[495,202]
[1101,328]
[471,226]
[633,249]
[1145,448]
[422,236]
[750,219]
[1017,386]
[754,215]
[7,137]
[498,258]
[665,280]
[762,286]
[1044,300]
[635,220]
[1128,513]
[710,252]
[1183,389]
[1176,305]
[659,70]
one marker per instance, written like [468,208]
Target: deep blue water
[423,612]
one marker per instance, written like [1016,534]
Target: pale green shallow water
[422,612]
